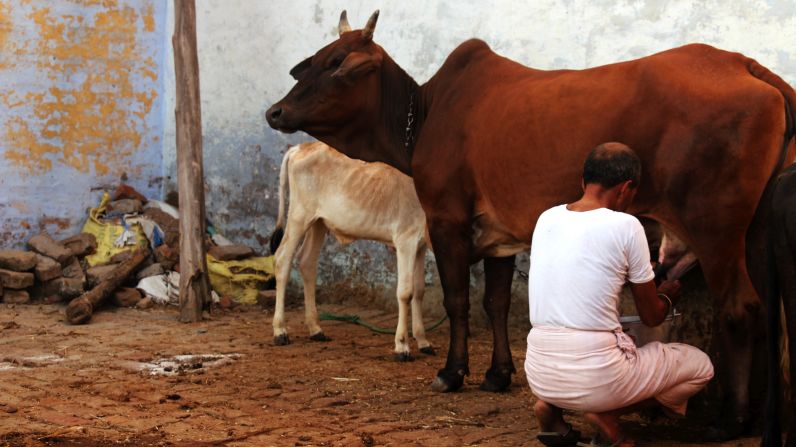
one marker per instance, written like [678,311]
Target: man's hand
[670,289]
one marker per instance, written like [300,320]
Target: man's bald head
[610,164]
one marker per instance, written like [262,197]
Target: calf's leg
[294,233]
[308,265]
[406,258]
[418,290]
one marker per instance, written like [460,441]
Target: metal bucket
[643,334]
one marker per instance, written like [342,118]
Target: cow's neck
[400,117]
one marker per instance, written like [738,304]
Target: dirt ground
[99,384]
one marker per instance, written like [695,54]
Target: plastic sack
[107,234]
[240,280]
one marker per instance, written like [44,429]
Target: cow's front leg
[451,244]
[497,297]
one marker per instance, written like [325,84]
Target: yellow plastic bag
[107,234]
[240,280]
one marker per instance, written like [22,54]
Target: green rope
[326,316]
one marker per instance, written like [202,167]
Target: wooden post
[194,285]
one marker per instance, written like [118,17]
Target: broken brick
[15,280]
[15,296]
[124,206]
[230,252]
[17,260]
[120,257]
[167,256]
[99,273]
[81,245]
[126,297]
[45,245]
[47,268]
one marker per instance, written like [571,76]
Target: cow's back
[356,199]
[516,137]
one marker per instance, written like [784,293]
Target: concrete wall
[80,108]
[88,92]
[247,48]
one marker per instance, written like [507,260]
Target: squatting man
[578,358]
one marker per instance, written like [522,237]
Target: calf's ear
[357,64]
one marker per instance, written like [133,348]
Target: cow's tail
[763,233]
[279,230]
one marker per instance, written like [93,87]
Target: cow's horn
[343,27]
[367,31]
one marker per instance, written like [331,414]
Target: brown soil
[64,385]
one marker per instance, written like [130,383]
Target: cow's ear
[357,64]
[300,68]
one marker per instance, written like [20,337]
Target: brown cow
[491,144]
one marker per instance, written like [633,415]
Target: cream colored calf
[352,200]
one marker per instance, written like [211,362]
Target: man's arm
[651,303]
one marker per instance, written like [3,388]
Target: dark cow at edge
[491,144]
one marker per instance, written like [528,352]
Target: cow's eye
[337,61]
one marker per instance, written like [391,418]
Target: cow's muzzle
[276,118]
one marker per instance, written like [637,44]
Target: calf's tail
[279,230]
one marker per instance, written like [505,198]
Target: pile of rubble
[128,254]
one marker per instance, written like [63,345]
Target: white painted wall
[247,48]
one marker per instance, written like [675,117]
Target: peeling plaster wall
[80,108]
[246,49]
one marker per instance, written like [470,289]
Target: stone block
[47,268]
[15,280]
[45,245]
[81,245]
[230,252]
[152,270]
[58,289]
[126,297]
[11,296]
[17,260]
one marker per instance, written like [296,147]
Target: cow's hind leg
[406,258]
[308,266]
[418,290]
[499,272]
[283,261]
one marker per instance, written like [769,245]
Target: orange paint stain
[5,30]
[149,18]
[94,124]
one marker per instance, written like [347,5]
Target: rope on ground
[355,319]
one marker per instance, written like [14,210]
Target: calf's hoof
[496,381]
[448,381]
[281,340]
[320,336]
[428,350]
[403,357]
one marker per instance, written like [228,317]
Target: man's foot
[611,433]
[550,417]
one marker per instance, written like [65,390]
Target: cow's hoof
[727,430]
[403,357]
[281,340]
[447,381]
[320,336]
[496,381]
[428,350]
